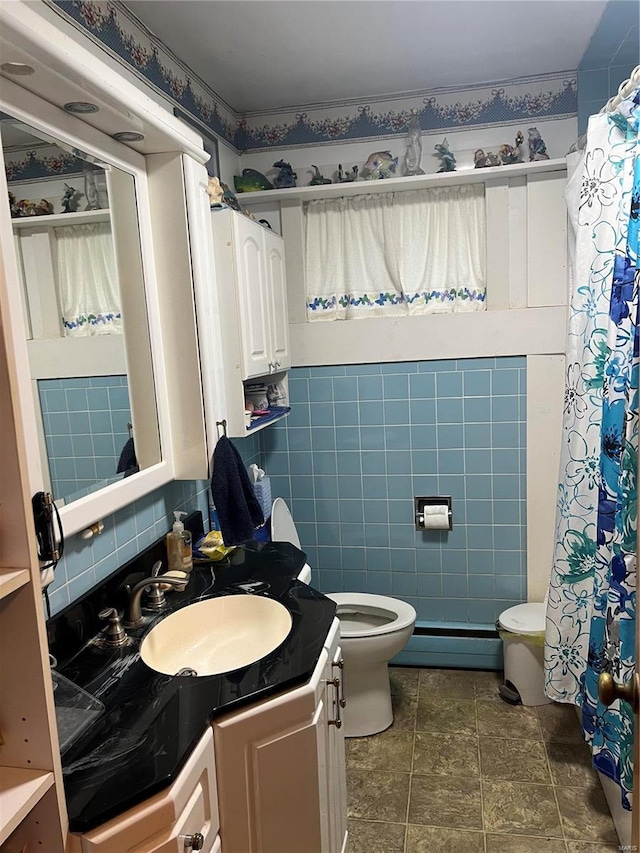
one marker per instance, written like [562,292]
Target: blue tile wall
[613,52]
[131,530]
[87,562]
[85,427]
[362,440]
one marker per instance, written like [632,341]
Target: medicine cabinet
[82,396]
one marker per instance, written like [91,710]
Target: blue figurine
[537,148]
[446,157]
[69,199]
[286,177]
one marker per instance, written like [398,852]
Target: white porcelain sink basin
[217,635]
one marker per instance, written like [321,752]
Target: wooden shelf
[80,217]
[13,579]
[20,790]
[416,182]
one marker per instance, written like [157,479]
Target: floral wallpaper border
[32,164]
[117,30]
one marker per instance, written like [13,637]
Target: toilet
[373,628]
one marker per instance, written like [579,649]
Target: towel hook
[130,429]
[223,424]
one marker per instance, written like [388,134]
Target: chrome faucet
[134,609]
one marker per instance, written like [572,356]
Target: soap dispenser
[178,541]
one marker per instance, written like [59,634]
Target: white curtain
[88,291]
[415,252]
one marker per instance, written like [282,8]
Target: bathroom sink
[217,635]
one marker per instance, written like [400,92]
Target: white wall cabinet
[164,823]
[250,260]
[281,768]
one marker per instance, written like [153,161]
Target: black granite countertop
[152,721]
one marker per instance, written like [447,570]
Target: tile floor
[460,770]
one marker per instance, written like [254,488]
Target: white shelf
[12,579]
[20,790]
[257,426]
[416,182]
[51,220]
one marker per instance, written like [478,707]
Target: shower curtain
[591,603]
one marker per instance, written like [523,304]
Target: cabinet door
[279,320]
[336,764]
[270,782]
[160,824]
[252,297]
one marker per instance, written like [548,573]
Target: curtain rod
[624,90]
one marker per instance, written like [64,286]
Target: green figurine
[251,181]
[318,178]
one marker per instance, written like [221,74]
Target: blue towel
[128,464]
[238,510]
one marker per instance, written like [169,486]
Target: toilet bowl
[373,628]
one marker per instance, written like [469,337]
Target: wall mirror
[82,278]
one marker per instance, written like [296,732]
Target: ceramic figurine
[229,197]
[492,159]
[446,157]
[479,159]
[537,148]
[346,177]
[91,191]
[215,191]
[286,178]
[510,155]
[519,147]
[69,199]
[318,178]
[380,165]
[251,181]
[43,207]
[13,205]
[507,153]
[413,154]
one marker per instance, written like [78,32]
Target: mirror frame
[44,116]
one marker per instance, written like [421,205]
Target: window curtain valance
[88,290]
[413,252]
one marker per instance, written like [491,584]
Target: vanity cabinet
[281,767]
[165,823]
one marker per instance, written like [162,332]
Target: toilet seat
[371,615]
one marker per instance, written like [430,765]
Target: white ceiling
[264,54]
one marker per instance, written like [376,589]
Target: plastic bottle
[178,541]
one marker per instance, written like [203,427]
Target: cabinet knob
[193,842]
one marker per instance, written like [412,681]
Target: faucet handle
[155,571]
[116,636]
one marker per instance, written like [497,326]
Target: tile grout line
[475,710]
[413,752]
[553,785]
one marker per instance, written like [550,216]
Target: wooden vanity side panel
[189,805]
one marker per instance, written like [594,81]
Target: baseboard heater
[452,645]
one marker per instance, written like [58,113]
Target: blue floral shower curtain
[592,598]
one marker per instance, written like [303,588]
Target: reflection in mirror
[76,232]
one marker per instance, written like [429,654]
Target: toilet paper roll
[435,517]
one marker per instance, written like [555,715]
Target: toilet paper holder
[437,509]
